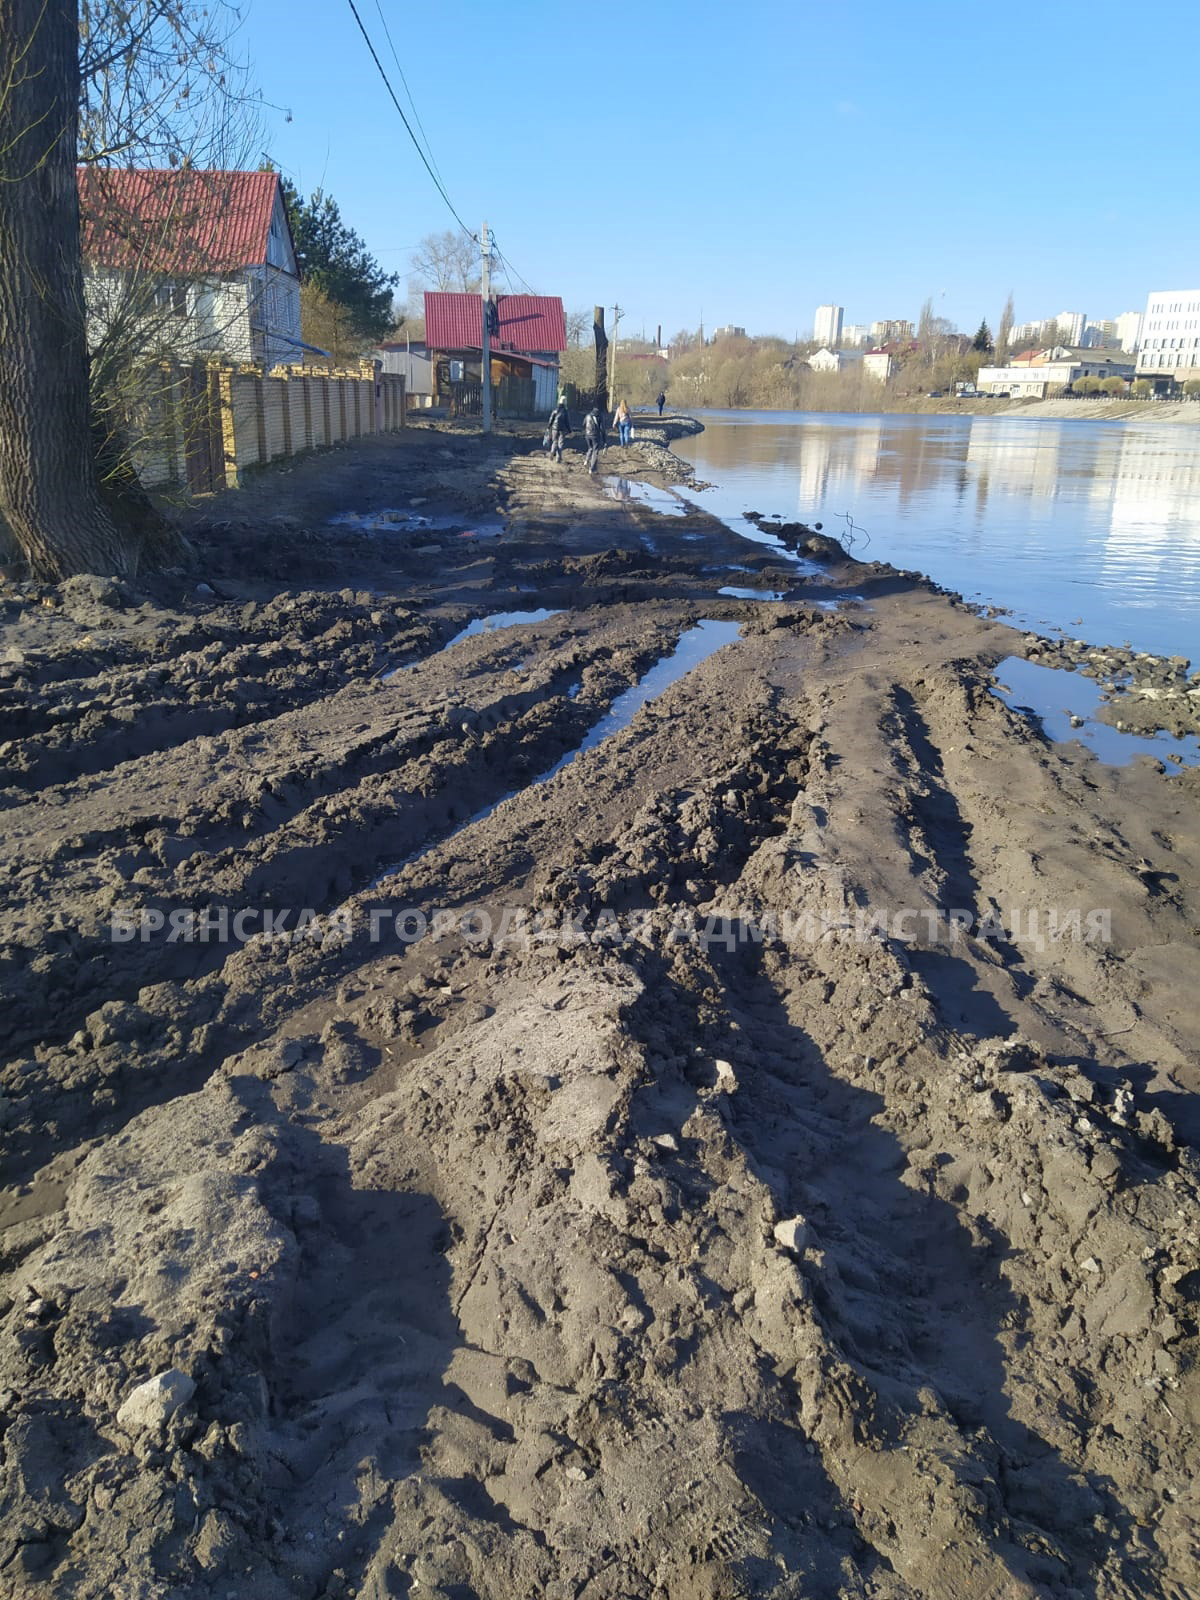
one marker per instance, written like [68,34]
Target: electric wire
[408,126]
[416,114]
[511,272]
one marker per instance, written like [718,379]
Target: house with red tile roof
[529,334]
[204,261]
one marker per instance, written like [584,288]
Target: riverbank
[741,1144]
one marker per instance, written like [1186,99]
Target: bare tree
[447,261]
[578,326]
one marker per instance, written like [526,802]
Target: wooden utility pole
[612,384]
[485,256]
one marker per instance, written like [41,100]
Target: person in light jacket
[624,422]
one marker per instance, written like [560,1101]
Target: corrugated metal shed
[176,221]
[528,322]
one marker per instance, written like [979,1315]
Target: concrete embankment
[1186,411]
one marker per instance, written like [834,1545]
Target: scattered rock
[154,1402]
[792,1235]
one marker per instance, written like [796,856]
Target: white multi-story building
[827,326]
[1169,351]
[1024,333]
[1067,328]
[886,331]
[1101,335]
[854,334]
[1129,330]
[1070,328]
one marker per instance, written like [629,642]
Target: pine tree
[334,259]
[983,338]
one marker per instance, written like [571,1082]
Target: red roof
[528,322]
[178,220]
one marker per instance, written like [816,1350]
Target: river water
[1091,528]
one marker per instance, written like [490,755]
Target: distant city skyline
[938,193]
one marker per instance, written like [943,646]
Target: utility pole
[612,382]
[485,256]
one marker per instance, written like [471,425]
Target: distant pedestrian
[624,422]
[661,402]
[558,429]
[593,432]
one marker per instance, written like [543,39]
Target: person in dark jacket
[558,429]
[593,432]
[661,402]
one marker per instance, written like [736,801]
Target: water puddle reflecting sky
[489,624]
[1054,695]
[694,646]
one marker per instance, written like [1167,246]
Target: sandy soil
[731,1193]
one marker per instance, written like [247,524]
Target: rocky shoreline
[533,1067]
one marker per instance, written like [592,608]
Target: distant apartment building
[1071,325]
[827,326]
[896,332]
[1024,333]
[1169,352]
[1067,328]
[855,333]
[1101,335]
[728,332]
[1129,330]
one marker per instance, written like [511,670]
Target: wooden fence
[200,427]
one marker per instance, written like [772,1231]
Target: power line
[408,126]
[407,90]
[510,269]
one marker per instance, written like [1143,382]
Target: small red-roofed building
[529,334]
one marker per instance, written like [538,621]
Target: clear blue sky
[751,161]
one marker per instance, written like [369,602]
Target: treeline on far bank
[773,374]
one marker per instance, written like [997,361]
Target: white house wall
[253,318]
[414,367]
[216,320]
[279,240]
[274,315]
[545,389]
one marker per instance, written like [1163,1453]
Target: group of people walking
[595,431]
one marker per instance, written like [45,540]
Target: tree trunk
[49,489]
[602,396]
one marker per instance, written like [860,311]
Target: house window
[179,300]
[162,297]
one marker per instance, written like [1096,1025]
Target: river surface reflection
[1089,527]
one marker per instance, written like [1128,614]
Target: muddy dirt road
[674,1095]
